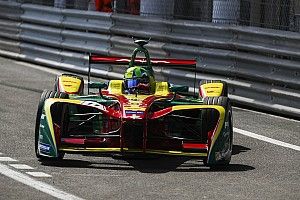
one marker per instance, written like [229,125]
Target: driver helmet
[137,79]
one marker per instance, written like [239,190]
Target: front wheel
[224,143]
[46,95]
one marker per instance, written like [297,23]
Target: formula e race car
[136,115]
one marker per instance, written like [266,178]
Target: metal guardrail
[261,66]
[10,13]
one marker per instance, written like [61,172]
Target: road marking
[39,185]
[265,114]
[266,139]
[6,159]
[21,166]
[39,174]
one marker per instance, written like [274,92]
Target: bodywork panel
[130,123]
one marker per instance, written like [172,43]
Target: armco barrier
[224,49]
[261,66]
[10,13]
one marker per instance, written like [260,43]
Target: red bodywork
[136,123]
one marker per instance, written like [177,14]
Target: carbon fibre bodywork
[130,123]
[113,121]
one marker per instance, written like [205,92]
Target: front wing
[81,127]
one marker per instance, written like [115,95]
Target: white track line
[39,174]
[20,166]
[41,186]
[7,159]
[266,139]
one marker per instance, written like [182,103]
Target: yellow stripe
[185,107]
[53,100]
[133,97]
[175,153]
[78,149]
[219,127]
[152,151]
[133,150]
[49,120]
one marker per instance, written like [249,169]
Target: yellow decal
[69,84]
[53,100]
[162,88]
[115,87]
[81,149]
[212,89]
[135,102]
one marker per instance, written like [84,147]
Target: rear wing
[147,62]
[174,63]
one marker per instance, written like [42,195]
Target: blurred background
[274,14]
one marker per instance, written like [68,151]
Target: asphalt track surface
[259,169]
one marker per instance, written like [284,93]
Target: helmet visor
[132,83]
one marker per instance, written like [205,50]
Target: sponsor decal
[41,137]
[131,112]
[134,114]
[94,104]
[218,156]
[226,129]
[43,116]
[44,148]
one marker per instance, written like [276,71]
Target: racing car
[135,115]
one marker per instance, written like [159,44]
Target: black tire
[225,86]
[224,102]
[46,95]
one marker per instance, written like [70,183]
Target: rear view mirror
[98,85]
[179,88]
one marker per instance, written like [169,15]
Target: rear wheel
[46,95]
[227,137]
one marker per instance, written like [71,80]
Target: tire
[46,95]
[224,102]
[225,86]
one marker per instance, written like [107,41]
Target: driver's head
[137,78]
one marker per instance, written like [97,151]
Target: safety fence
[275,14]
[261,66]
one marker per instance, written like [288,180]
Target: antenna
[195,82]
[89,72]
[195,78]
